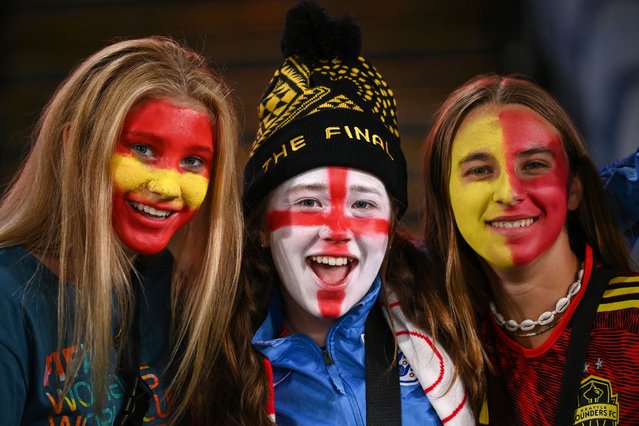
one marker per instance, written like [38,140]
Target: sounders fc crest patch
[596,404]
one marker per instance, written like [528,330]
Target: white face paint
[328,232]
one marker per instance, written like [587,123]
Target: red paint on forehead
[335,217]
[523,127]
[330,303]
[174,131]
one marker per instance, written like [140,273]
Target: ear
[575,192]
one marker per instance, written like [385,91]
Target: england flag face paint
[510,185]
[161,168]
[328,233]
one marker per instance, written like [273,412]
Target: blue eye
[142,150]
[193,163]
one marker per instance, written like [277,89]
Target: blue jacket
[621,180]
[326,386]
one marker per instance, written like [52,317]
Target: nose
[507,191]
[337,231]
[165,183]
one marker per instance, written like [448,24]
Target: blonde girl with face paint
[135,150]
[516,210]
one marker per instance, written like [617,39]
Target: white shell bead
[574,288]
[562,304]
[527,325]
[545,318]
[511,325]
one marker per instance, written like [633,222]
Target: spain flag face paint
[509,184]
[161,169]
[328,233]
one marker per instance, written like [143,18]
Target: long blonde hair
[59,206]
[466,282]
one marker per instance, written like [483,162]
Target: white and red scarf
[433,367]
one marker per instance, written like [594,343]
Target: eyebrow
[365,189]
[143,134]
[475,156]
[324,187]
[307,187]
[152,137]
[536,150]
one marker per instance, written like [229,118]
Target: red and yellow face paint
[509,184]
[161,169]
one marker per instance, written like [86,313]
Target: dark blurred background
[586,52]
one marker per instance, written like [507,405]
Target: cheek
[375,248]
[185,217]
[194,188]
[128,173]
[292,239]
[468,201]
[551,192]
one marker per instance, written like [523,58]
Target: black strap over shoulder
[581,324]
[137,396]
[499,406]
[383,398]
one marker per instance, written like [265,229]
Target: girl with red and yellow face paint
[161,170]
[138,140]
[517,212]
[510,185]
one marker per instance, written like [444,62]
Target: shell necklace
[546,320]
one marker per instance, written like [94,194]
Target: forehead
[155,110]
[327,178]
[508,128]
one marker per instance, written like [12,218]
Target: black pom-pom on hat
[326,106]
[311,34]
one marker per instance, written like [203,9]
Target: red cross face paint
[509,184]
[328,232]
[161,169]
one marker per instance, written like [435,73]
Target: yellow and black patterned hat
[325,106]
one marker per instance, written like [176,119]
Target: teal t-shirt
[33,370]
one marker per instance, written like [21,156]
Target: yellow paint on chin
[131,174]
[479,132]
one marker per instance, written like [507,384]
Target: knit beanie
[325,106]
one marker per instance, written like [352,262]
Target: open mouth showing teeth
[332,261]
[509,224]
[331,270]
[150,211]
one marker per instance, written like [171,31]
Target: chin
[145,247]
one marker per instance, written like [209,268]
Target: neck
[526,291]
[301,321]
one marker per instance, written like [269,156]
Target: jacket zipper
[327,357]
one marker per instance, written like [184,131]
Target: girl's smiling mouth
[331,271]
[149,211]
[512,224]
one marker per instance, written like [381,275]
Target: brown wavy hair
[407,271]
[466,283]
